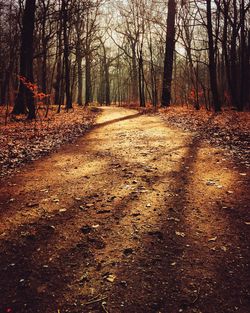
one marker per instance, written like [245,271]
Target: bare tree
[169,54]
[25,98]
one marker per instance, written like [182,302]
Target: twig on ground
[197,296]
[103,307]
[95,300]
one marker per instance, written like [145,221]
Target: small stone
[128,251]
[124,283]
[86,229]
[181,234]
[103,211]
[32,205]
[89,205]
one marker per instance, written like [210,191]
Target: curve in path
[134,217]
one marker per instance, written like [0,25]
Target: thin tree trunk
[80,75]
[59,71]
[107,78]
[244,66]
[66,54]
[233,58]
[141,81]
[212,62]
[134,76]
[107,84]
[152,74]
[44,50]
[88,85]
[225,48]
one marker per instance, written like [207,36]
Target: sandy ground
[134,217]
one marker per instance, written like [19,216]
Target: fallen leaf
[111,278]
[89,205]
[173,219]
[32,205]
[44,190]
[213,239]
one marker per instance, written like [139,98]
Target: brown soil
[137,216]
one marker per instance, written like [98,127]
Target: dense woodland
[145,52]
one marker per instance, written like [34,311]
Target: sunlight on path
[134,210]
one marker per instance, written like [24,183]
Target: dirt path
[134,217]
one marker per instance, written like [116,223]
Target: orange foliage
[33,88]
[193,94]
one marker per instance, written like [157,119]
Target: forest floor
[23,141]
[136,216]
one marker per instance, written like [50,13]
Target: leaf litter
[23,141]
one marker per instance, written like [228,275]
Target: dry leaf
[213,239]
[111,278]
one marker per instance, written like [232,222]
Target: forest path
[134,217]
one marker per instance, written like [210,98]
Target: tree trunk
[134,76]
[59,65]
[141,81]
[25,99]
[225,48]
[212,62]
[233,58]
[244,65]
[152,74]
[169,54]
[79,74]
[66,54]
[107,84]
[106,74]
[248,70]
[88,85]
